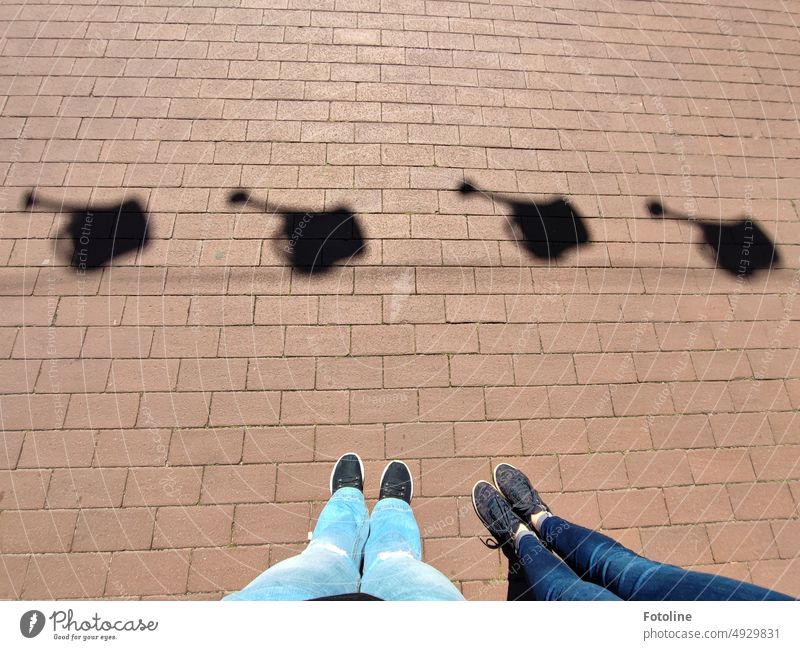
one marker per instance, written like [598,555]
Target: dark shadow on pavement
[314,241]
[546,229]
[101,233]
[739,247]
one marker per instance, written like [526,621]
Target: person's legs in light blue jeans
[607,563]
[329,566]
[549,577]
[393,566]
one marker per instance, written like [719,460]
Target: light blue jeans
[388,543]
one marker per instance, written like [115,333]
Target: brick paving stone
[739,541]
[169,420]
[95,487]
[13,570]
[720,465]
[680,432]
[220,569]
[264,445]
[131,448]
[57,449]
[66,575]
[162,486]
[37,531]
[302,482]
[786,537]
[660,467]
[644,507]
[413,371]
[604,471]
[23,489]
[276,523]
[245,408]
[331,439]
[192,526]
[115,529]
[11,449]
[206,446]
[741,429]
[698,504]
[617,434]
[238,484]
[488,438]
[776,574]
[761,501]
[443,477]
[148,573]
[681,545]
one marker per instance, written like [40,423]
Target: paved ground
[169,421]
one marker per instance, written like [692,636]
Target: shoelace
[520,486]
[340,482]
[490,542]
[393,488]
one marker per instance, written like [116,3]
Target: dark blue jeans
[595,567]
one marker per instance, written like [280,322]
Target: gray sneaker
[495,513]
[517,489]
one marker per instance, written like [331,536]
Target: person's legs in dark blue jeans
[599,559]
[604,562]
[549,577]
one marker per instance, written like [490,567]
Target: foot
[496,513]
[396,482]
[348,472]
[517,489]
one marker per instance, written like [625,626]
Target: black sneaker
[517,489]
[495,512]
[348,472]
[396,482]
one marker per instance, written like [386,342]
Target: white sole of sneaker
[494,474]
[472,498]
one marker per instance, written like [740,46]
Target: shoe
[495,513]
[396,482]
[518,491]
[348,472]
